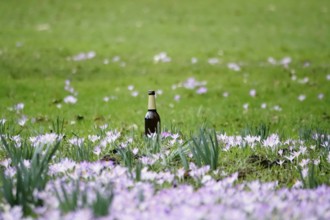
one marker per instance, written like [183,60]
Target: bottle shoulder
[152,114]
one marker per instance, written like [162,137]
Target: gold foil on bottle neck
[151,102]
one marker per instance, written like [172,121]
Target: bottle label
[151,103]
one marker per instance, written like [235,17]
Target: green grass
[34,64]
[29,180]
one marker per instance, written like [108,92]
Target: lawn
[242,91]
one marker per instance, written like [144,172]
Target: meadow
[242,91]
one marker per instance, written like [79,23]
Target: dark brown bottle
[152,119]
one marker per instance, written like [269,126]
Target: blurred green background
[39,41]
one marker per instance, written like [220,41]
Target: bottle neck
[151,102]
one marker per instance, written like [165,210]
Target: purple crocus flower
[201,90]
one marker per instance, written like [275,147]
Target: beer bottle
[152,119]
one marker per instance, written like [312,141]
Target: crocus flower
[201,90]
[70,99]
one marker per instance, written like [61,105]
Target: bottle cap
[151,92]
